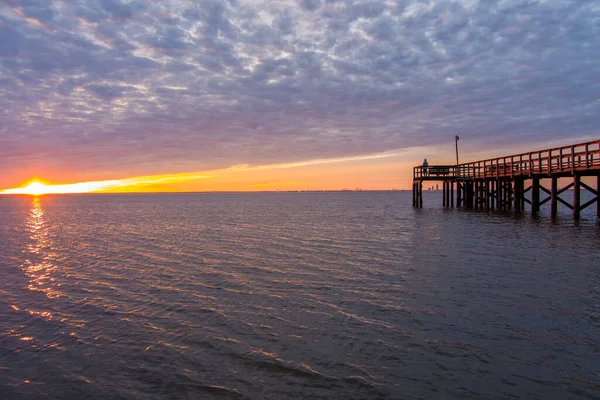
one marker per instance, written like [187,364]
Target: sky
[286,94]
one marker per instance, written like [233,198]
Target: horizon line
[215,191]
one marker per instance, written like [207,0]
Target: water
[294,295]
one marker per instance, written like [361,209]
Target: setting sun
[35,189]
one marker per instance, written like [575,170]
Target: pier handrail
[571,158]
[441,171]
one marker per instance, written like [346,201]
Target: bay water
[294,296]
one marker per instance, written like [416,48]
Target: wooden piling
[535,195]
[510,194]
[469,194]
[522,196]
[444,194]
[518,193]
[499,195]
[415,194]
[576,196]
[502,195]
[492,194]
[496,195]
[554,197]
[484,195]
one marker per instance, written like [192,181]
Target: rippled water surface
[294,295]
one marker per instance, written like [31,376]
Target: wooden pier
[502,183]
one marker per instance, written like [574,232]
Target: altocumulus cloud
[181,85]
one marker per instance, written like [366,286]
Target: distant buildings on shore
[337,190]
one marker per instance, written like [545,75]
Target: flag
[457,137]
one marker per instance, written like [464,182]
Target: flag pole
[456,141]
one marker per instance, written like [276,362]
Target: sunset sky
[306,94]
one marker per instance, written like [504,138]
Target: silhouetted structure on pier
[499,183]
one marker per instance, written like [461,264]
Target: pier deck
[499,183]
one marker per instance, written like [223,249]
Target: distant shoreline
[217,192]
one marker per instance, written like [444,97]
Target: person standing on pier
[425,167]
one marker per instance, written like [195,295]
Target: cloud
[117,9]
[309,5]
[185,85]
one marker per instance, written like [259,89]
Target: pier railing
[567,159]
[440,172]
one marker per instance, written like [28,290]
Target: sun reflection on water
[39,266]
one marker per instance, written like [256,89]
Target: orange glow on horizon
[382,171]
[37,188]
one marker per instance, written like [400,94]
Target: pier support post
[487,194]
[554,197]
[518,193]
[468,194]
[504,195]
[484,195]
[521,194]
[420,194]
[496,195]
[499,194]
[509,193]
[459,195]
[576,196]
[444,194]
[505,205]
[452,194]
[493,198]
[415,195]
[535,195]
